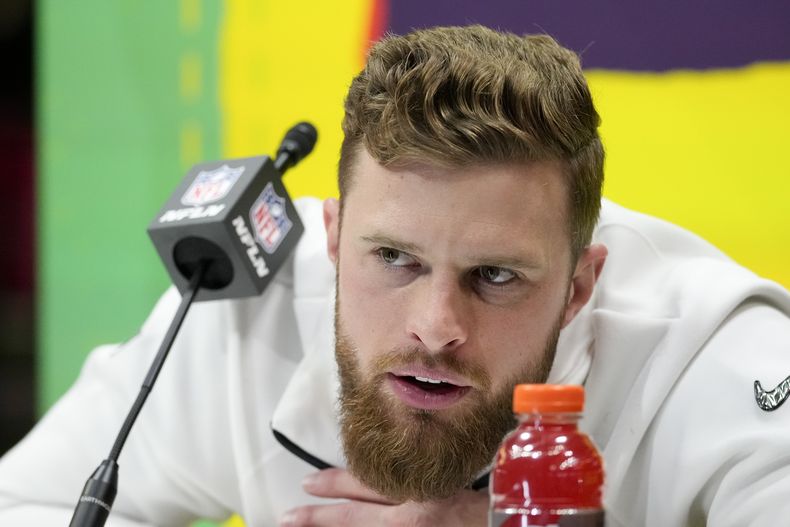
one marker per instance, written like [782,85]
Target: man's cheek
[377,314]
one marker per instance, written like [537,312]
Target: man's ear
[332,226]
[588,269]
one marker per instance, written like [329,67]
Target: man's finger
[339,483]
[351,514]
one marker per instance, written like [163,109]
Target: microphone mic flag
[235,217]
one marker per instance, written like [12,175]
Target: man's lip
[437,375]
[417,397]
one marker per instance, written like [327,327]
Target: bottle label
[519,519]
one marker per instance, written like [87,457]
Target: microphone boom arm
[99,492]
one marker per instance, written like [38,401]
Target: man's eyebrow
[386,241]
[509,262]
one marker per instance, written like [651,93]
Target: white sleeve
[172,469]
[717,458]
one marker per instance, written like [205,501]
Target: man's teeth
[426,379]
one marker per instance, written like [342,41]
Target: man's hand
[366,508]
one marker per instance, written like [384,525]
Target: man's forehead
[485,209]
[533,181]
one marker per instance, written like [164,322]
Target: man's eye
[495,275]
[395,258]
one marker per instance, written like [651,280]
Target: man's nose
[439,316]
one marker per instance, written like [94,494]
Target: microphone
[297,143]
[224,233]
[236,216]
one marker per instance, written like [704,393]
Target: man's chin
[410,453]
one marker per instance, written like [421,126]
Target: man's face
[452,288]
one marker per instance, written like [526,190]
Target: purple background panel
[641,36]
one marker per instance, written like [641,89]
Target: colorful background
[693,96]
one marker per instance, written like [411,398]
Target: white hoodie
[668,348]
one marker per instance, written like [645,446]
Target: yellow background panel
[709,151]
[285,62]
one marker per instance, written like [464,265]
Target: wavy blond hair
[457,96]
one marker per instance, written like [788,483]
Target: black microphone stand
[99,492]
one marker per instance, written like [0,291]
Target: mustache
[444,361]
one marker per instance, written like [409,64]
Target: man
[468,256]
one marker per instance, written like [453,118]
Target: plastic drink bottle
[546,472]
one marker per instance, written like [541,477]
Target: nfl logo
[269,219]
[211,185]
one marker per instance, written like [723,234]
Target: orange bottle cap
[542,398]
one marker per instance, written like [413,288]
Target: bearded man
[465,255]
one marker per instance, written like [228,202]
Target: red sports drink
[547,472]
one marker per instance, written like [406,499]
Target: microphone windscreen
[299,141]
[234,216]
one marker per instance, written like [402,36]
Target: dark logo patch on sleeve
[771,400]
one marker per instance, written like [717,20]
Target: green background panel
[126,102]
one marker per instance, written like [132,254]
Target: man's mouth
[425,392]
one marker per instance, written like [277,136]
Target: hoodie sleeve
[171,469]
[713,456]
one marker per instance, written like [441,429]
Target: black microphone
[297,143]
[226,230]
[236,216]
